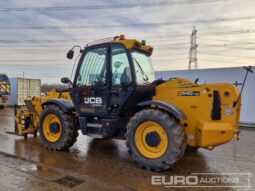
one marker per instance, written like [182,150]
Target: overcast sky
[35,35]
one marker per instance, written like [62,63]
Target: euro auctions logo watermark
[217,180]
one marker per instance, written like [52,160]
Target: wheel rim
[52,128]
[151,139]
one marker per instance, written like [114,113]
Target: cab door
[91,87]
[122,86]
[132,80]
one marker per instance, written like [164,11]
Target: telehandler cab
[115,95]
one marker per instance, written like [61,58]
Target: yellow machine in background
[5,89]
[27,117]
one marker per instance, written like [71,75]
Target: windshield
[143,68]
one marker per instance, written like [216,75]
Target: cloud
[171,42]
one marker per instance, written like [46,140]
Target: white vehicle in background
[5,89]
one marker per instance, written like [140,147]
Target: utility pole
[193,50]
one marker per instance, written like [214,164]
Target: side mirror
[70,54]
[248,68]
[196,80]
[65,80]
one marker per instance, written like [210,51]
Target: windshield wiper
[145,77]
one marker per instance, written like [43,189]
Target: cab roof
[130,44]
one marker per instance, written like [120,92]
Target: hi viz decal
[94,101]
[5,88]
[188,93]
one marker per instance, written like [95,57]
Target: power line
[241,45]
[224,40]
[109,6]
[232,32]
[174,46]
[224,62]
[53,41]
[169,55]
[159,48]
[179,37]
[224,55]
[29,60]
[225,46]
[32,51]
[128,25]
[165,37]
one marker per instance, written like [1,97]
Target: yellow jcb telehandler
[114,95]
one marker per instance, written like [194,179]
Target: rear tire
[58,139]
[171,130]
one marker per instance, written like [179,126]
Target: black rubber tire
[191,149]
[176,139]
[69,130]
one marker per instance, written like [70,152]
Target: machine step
[95,135]
[95,125]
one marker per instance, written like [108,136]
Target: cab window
[93,68]
[121,73]
[143,68]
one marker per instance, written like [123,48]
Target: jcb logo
[93,100]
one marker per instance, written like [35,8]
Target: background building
[22,88]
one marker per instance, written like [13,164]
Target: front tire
[155,140]
[57,129]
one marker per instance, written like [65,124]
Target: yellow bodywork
[200,129]
[32,115]
[5,87]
